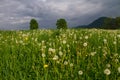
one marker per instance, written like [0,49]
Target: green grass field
[82,54]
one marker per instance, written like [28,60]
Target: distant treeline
[112,23]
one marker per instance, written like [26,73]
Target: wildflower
[64,41]
[75,37]
[55,57]
[71,64]
[86,37]
[107,72]
[51,50]
[118,69]
[115,54]
[80,72]
[43,41]
[43,55]
[114,42]
[65,63]
[68,45]
[45,66]
[26,38]
[60,53]
[118,35]
[105,40]
[84,44]
[92,53]
[116,60]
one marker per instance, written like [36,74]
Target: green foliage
[112,23]
[34,24]
[64,55]
[61,24]
[118,21]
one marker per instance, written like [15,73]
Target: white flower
[85,44]
[43,55]
[55,57]
[107,72]
[118,35]
[65,62]
[118,69]
[64,41]
[116,60]
[92,53]
[51,50]
[86,37]
[68,45]
[115,54]
[43,41]
[60,53]
[80,72]
[105,40]
[114,42]
[71,64]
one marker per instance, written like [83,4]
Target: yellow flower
[26,38]
[45,66]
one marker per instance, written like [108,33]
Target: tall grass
[60,55]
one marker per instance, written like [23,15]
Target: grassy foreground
[60,55]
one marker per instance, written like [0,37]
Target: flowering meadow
[72,54]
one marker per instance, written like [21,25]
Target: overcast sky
[16,14]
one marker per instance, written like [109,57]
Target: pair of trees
[61,24]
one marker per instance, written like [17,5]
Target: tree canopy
[34,24]
[61,24]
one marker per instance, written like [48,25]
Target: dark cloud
[16,14]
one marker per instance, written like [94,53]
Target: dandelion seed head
[51,50]
[118,35]
[55,57]
[71,64]
[85,44]
[60,53]
[80,72]
[117,60]
[118,69]
[105,40]
[107,71]
[43,55]
[64,41]
[86,37]
[92,53]
[65,62]
[114,42]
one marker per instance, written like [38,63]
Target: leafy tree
[33,24]
[117,20]
[107,23]
[112,23]
[61,24]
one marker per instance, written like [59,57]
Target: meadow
[72,54]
